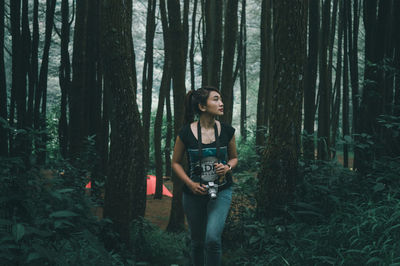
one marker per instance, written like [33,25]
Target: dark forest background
[94,91]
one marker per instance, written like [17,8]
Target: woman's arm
[222,169]
[177,157]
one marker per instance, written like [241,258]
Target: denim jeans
[206,219]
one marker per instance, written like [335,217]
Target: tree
[164,89]
[192,43]
[78,129]
[178,78]
[64,77]
[310,79]
[125,188]
[280,158]
[324,92]
[230,32]
[242,51]
[345,104]
[266,71]
[212,48]
[147,81]
[3,87]
[43,74]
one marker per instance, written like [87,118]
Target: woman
[211,152]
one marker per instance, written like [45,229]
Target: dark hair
[194,98]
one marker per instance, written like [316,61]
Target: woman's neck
[207,121]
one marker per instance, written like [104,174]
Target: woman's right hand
[197,188]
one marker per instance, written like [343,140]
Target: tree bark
[78,129]
[192,43]
[280,158]
[64,78]
[227,83]
[125,187]
[213,43]
[345,104]
[147,81]
[243,73]
[324,93]
[3,87]
[262,102]
[168,138]
[178,78]
[164,88]
[310,80]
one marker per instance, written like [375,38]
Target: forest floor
[158,210]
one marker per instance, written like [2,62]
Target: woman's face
[215,106]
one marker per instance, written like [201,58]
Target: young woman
[211,152]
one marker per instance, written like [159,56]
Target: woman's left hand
[221,169]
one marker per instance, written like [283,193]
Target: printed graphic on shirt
[207,163]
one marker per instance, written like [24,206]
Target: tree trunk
[353,62]
[213,42]
[3,88]
[43,75]
[280,158]
[65,78]
[17,72]
[125,188]
[310,79]
[345,104]
[178,77]
[324,93]
[147,81]
[192,43]
[227,83]
[78,129]
[164,88]
[243,74]
[336,94]
[168,138]
[262,116]
[34,67]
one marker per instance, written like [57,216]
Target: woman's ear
[202,107]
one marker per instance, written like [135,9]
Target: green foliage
[152,246]
[46,219]
[338,218]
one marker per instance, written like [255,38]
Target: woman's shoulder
[228,129]
[184,132]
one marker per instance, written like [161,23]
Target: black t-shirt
[209,153]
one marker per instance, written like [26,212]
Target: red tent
[151,187]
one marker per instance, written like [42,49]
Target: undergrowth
[338,218]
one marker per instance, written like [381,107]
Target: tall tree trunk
[230,34]
[125,188]
[310,79]
[242,50]
[77,127]
[353,62]
[17,72]
[34,67]
[168,138]
[192,44]
[164,88]
[345,104]
[147,81]
[213,42]
[336,93]
[262,116]
[65,78]
[280,158]
[324,93]
[178,78]
[3,87]
[43,74]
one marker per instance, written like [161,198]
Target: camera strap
[201,143]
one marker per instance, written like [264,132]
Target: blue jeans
[206,219]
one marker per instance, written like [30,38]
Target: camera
[212,190]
